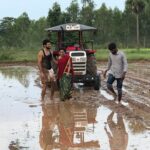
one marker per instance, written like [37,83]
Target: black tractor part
[97,82]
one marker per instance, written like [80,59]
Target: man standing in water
[45,67]
[117,67]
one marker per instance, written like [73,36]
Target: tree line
[130,28]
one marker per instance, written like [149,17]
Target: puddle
[106,95]
[19,122]
[71,125]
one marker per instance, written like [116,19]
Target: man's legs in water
[110,81]
[52,90]
[43,91]
[119,88]
[44,86]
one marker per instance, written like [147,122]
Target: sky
[39,8]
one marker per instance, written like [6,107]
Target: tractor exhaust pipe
[62,36]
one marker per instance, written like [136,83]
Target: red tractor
[70,36]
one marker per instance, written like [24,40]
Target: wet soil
[91,120]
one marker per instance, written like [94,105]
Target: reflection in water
[49,122]
[19,73]
[118,138]
[65,126]
[19,123]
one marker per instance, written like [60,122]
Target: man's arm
[55,61]
[108,66]
[40,56]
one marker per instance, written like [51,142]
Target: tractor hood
[70,27]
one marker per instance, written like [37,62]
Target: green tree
[65,17]
[111,24]
[145,25]
[87,14]
[137,7]
[117,26]
[54,15]
[103,22]
[86,2]
[128,29]
[36,32]
[73,11]
[6,31]
[21,27]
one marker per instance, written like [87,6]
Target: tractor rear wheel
[91,65]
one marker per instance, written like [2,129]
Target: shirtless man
[45,67]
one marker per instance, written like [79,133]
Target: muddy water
[19,122]
[91,121]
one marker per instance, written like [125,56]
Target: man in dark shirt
[45,67]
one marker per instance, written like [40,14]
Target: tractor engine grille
[79,60]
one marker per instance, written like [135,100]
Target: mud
[91,120]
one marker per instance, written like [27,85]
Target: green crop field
[132,54]
[101,55]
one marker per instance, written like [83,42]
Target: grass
[101,55]
[18,55]
[132,54]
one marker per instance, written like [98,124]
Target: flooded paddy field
[91,120]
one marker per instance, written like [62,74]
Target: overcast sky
[39,8]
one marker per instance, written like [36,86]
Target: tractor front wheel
[97,82]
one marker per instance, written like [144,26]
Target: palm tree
[137,7]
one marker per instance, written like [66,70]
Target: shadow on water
[80,124]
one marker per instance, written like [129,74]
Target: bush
[5,57]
